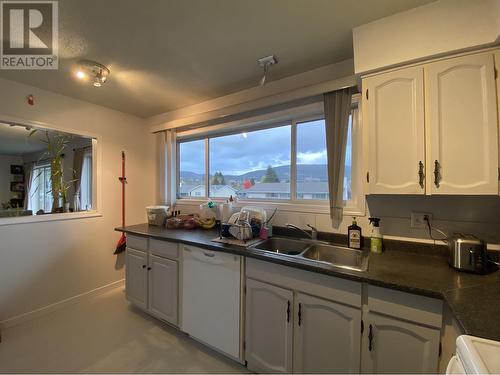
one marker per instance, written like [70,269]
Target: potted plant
[56,144]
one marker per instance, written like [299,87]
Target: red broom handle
[123,180]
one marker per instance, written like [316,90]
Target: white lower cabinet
[269,328]
[163,288]
[136,277]
[326,336]
[151,283]
[337,325]
[392,345]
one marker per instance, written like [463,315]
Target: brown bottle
[354,235]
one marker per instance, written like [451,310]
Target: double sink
[316,251]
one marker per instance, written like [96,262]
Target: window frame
[354,207]
[96,175]
[39,166]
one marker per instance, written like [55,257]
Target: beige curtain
[337,108]
[77,171]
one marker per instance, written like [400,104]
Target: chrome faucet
[314,232]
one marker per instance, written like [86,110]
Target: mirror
[44,171]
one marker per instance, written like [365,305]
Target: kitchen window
[285,162]
[254,165]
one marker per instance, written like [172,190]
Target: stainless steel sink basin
[337,256]
[282,246]
[315,251]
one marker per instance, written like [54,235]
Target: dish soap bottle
[354,235]
[376,238]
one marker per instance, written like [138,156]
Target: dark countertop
[473,299]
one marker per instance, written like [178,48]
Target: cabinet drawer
[137,242]
[164,248]
[324,286]
[407,306]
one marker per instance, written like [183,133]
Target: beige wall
[433,29]
[43,263]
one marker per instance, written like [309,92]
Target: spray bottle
[376,237]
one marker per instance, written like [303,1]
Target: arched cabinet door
[136,277]
[269,327]
[391,345]
[326,336]
[393,105]
[461,118]
[163,288]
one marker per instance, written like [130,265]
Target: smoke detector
[265,63]
[92,71]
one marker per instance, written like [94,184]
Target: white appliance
[211,291]
[475,355]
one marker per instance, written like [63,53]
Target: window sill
[48,217]
[286,206]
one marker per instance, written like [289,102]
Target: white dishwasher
[211,287]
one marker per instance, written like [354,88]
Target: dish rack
[244,225]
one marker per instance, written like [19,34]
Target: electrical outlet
[418,221]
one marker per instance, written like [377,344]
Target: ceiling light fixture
[97,73]
[265,63]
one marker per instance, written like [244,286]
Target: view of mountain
[314,172]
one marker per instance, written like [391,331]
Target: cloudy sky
[244,152]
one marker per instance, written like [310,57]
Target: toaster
[467,253]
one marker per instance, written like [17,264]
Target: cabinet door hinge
[366,94]
[362,326]
[440,349]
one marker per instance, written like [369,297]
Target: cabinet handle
[210,255]
[370,339]
[149,268]
[300,314]
[288,312]
[143,266]
[421,175]
[437,174]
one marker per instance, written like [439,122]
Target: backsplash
[479,215]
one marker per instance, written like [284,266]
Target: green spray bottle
[376,237]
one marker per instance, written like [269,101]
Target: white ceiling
[167,54]
[16,140]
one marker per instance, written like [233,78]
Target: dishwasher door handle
[205,257]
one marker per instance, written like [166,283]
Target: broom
[122,242]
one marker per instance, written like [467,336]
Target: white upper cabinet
[395,112]
[434,135]
[461,115]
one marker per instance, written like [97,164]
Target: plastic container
[376,237]
[157,215]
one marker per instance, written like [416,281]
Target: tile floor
[101,335]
